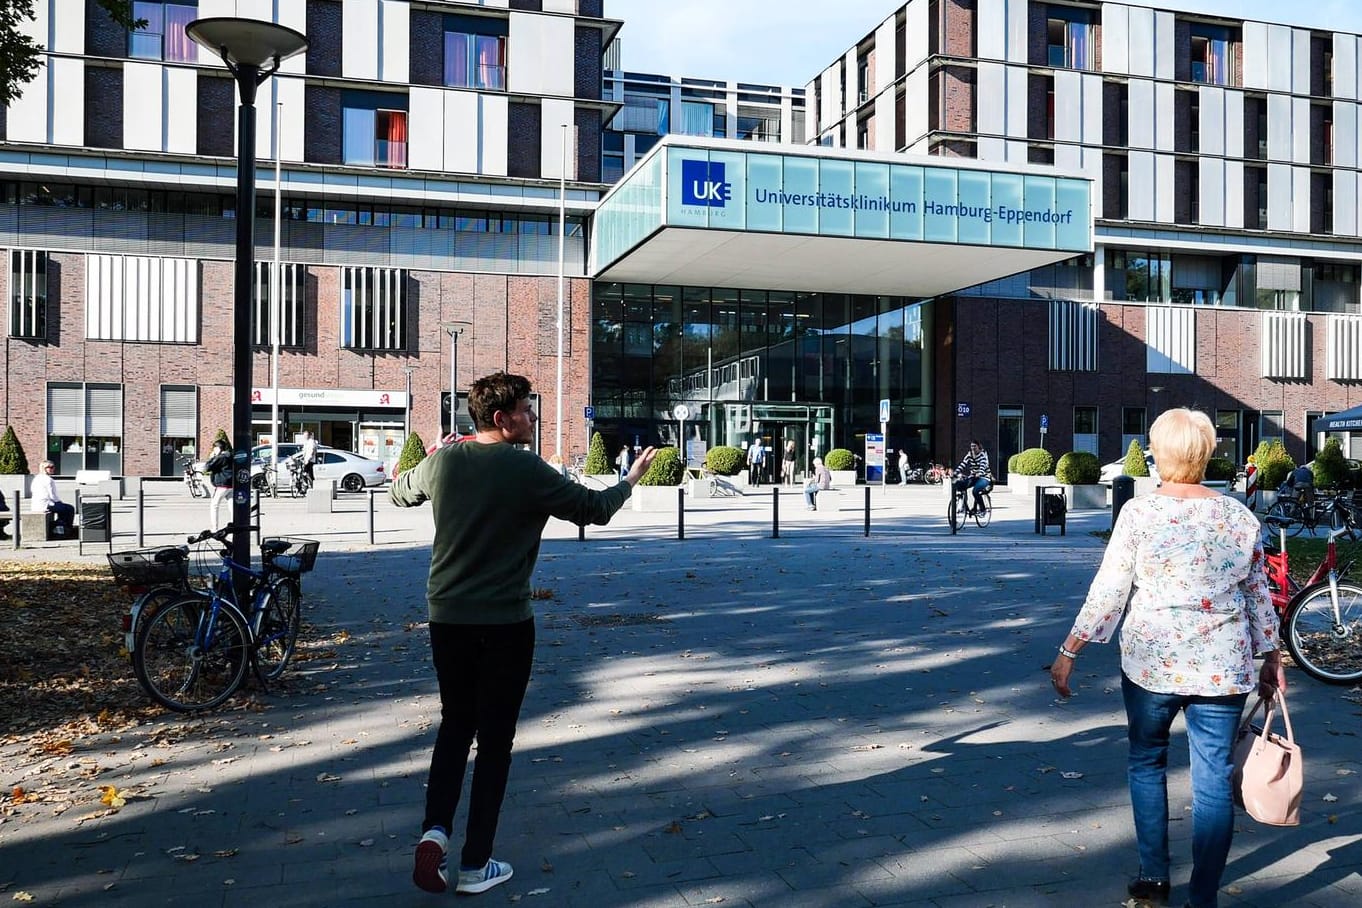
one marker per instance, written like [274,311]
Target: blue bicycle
[195,651]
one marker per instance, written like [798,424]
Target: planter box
[1086,497]
[599,481]
[695,488]
[654,498]
[1026,485]
[843,479]
[10,482]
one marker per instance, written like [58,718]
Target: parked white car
[1118,468]
[352,472]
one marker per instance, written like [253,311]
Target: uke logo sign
[703,183]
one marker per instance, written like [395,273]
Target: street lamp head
[455,328]
[246,42]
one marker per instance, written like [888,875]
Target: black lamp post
[252,50]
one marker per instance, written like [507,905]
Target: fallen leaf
[111,797]
[1329,798]
[22,896]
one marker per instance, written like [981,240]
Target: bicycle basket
[145,568]
[298,558]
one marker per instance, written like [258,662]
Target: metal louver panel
[1170,340]
[372,316]
[179,412]
[1073,336]
[1344,360]
[1283,345]
[141,298]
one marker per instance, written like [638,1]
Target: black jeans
[483,670]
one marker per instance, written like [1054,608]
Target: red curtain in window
[396,138]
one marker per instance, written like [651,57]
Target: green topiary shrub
[12,459]
[1032,462]
[724,460]
[1273,464]
[665,470]
[413,452]
[598,460]
[840,459]
[1220,469]
[1330,468]
[1078,468]
[1135,463]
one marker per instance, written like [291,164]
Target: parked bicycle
[962,507]
[935,474]
[195,651]
[193,477]
[1316,512]
[299,483]
[1277,564]
[155,577]
[1323,626]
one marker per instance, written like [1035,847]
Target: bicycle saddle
[274,546]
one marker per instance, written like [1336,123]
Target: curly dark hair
[498,391]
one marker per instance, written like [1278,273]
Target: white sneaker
[432,870]
[493,873]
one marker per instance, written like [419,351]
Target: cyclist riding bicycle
[1300,483]
[974,473]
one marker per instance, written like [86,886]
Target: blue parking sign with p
[590,413]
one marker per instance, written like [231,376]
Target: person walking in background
[1199,612]
[219,470]
[308,455]
[903,467]
[787,463]
[46,500]
[490,500]
[820,481]
[755,456]
[622,461]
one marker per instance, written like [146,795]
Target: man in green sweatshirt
[490,500]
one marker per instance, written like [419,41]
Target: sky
[786,42]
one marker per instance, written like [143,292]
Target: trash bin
[96,523]
[1052,509]
[1122,490]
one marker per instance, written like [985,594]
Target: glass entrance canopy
[713,212]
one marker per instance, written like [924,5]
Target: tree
[20,55]
[597,458]
[12,459]
[1135,464]
[413,452]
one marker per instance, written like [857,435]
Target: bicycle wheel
[1289,511]
[281,609]
[984,513]
[174,665]
[144,608]
[1326,648]
[955,515]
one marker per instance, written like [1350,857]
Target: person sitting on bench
[45,500]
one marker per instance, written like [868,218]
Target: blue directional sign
[590,413]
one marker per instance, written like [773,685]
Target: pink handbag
[1268,773]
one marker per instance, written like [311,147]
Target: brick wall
[523,140]
[427,37]
[104,106]
[957,87]
[587,73]
[957,28]
[324,30]
[322,126]
[103,36]
[588,144]
[216,113]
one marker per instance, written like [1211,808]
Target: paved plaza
[820,719]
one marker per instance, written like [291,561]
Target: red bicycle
[1284,589]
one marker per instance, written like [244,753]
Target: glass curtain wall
[759,362]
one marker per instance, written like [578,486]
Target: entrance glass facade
[779,365]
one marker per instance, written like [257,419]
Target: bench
[34,528]
[828,501]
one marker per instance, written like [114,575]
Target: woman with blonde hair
[1184,569]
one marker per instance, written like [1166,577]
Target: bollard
[255,515]
[372,493]
[775,512]
[1251,487]
[680,512]
[14,537]
[141,539]
[867,510]
[1122,490]
[581,532]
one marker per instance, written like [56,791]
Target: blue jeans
[1211,726]
[483,670]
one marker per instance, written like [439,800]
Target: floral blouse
[1200,608]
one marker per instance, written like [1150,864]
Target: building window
[1270,425]
[141,299]
[179,427]
[758,125]
[28,294]
[291,283]
[371,304]
[164,37]
[1140,275]
[862,78]
[1074,329]
[85,427]
[1212,54]
[475,52]
[696,118]
[1071,37]
[1132,424]
[375,136]
[863,133]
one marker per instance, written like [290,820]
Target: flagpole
[562,238]
[275,294]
